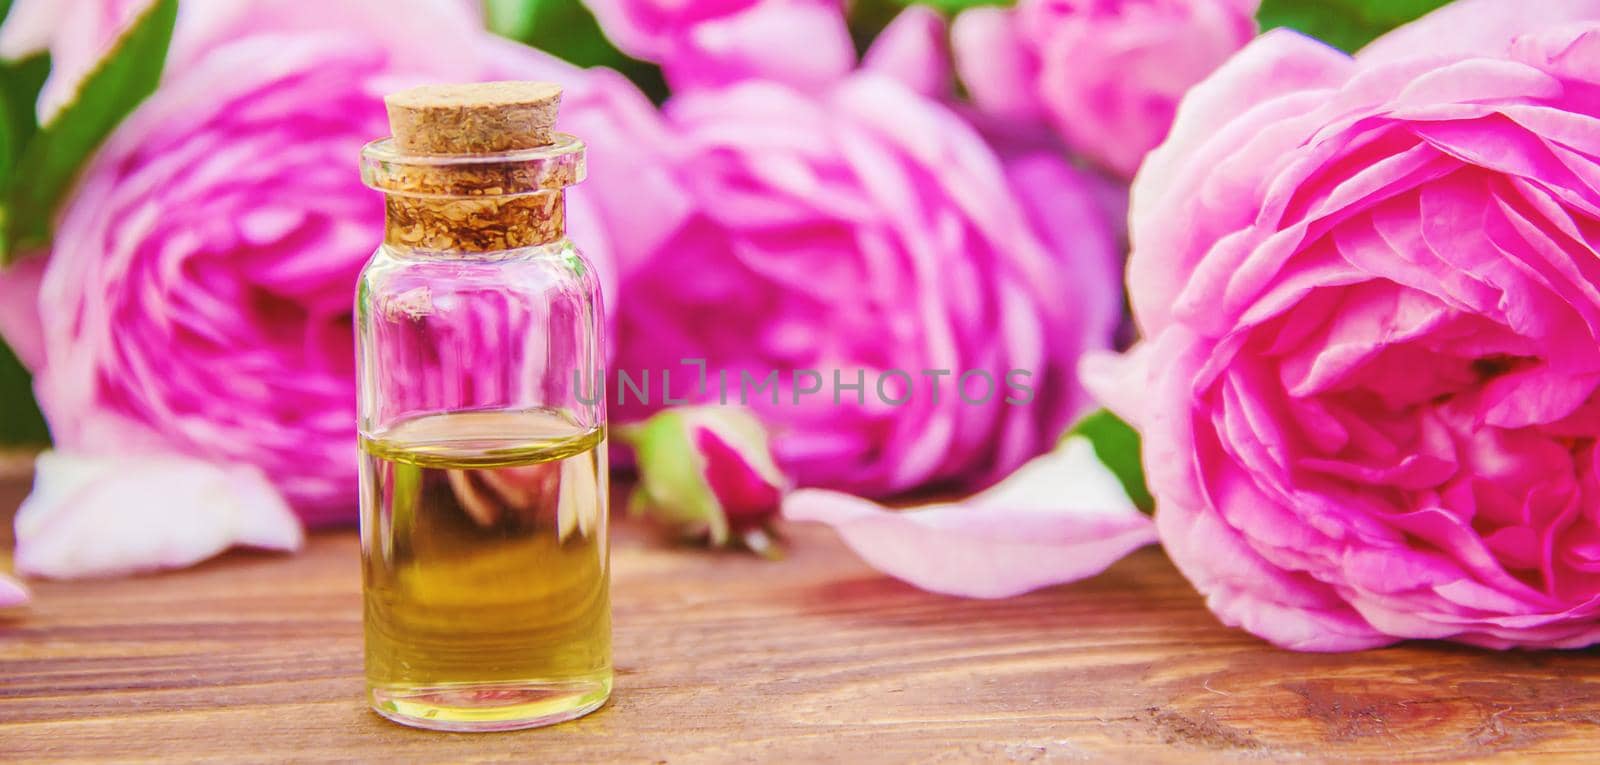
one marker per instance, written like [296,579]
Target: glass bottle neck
[474,224]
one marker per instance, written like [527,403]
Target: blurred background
[567,29]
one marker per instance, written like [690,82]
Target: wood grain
[725,658]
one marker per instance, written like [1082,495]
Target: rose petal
[801,44]
[1474,28]
[1059,518]
[1118,381]
[85,32]
[106,516]
[29,26]
[912,49]
[19,309]
[12,593]
[992,62]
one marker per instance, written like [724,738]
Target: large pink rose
[869,233]
[197,297]
[1370,294]
[803,43]
[1107,74]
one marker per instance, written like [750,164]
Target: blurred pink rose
[803,43]
[870,234]
[1370,295]
[1107,74]
[197,297]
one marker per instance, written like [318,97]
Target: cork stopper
[473,168]
[475,118]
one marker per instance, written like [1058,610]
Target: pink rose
[803,43]
[197,297]
[1370,299]
[1107,74]
[870,234]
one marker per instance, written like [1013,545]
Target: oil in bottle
[484,568]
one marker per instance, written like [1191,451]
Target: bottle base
[486,707]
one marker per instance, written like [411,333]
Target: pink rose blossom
[803,43]
[197,297]
[115,515]
[1059,518]
[1370,299]
[864,230]
[1107,74]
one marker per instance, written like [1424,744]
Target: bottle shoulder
[555,264]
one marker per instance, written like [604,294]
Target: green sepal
[672,485]
[1117,445]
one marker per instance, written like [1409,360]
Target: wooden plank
[724,657]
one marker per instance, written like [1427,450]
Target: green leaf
[952,7]
[1116,443]
[567,30]
[51,160]
[1344,24]
[20,82]
[20,421]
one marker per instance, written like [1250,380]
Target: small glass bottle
[483,432]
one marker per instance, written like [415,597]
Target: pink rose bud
[708,471]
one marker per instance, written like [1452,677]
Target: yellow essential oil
[484,561]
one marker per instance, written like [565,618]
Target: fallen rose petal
[12,593]
[1059,518]
[106,516]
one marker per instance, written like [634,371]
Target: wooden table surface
[726,658]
